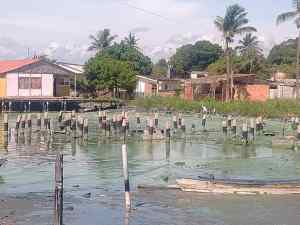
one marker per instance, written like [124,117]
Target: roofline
[38,61]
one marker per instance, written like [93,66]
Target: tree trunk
[298,67]
[228,73]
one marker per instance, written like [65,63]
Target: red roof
[10,65]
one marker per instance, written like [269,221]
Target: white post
[126,177]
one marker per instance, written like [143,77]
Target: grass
[268,109]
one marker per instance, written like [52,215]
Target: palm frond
[296,4]
[286,16]
[247,29]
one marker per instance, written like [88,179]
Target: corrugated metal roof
[10,65]
[74,68]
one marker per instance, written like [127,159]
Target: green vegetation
[104,73]
[269,109]
[160,69]
[195,57]
[233,23]
[115,66]
[294,14]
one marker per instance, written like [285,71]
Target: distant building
[283,88]
[245,87]
[153,86]
[198,74]
[34,78]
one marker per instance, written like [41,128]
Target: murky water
[94,184]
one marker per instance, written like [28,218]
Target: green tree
[131,41]
[195,57]
[294,14]
[101,40]
[242,65]
[249,49]
[104,73]
[142,64]
[160,69]
[284,53]
[233,23]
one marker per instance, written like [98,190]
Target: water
[94,166]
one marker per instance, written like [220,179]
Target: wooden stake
[5,122]
[58,201]
[126,177]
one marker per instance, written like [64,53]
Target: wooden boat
[241,187]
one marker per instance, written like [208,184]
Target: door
[2,86]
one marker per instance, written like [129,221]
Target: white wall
[140,87]
[47,85]
[13,85]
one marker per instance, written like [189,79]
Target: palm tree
[295,14]
[249,48]
[102,40]
[131,41]
[234,23]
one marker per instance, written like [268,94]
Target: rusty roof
[11,65]
[219,78]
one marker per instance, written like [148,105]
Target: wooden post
[5,122]
[175,124]
[224,127]
[86,126]
[138,119]
[29,123]
[18,120]
[252,128]
[233,128]
[229,121]
[39,122]
[168,131]
[183,128]
[23,121]
[245,132]
[58,199]
[204,121]
[45,120]
[156,120]
[126,177]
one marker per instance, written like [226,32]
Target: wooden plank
[202,186]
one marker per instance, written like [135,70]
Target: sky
[61,28]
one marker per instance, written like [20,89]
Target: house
[198,74]
[245,86]
[282,88]
[76,69]
[34,78]
[153,86]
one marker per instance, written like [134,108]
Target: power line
[146,11]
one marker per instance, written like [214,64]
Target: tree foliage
[284,53]
[121,51]
[103,72]
[195,57]
[101,40]
[160,69]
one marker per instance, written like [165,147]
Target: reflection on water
[94,166]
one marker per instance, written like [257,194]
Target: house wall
[188,90]
[144,88]
[2,85]
[258,92]
[252,92]
[168,85]
[13,84]
[283,91]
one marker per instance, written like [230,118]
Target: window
[36,83]
[24,83]
[30,83]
